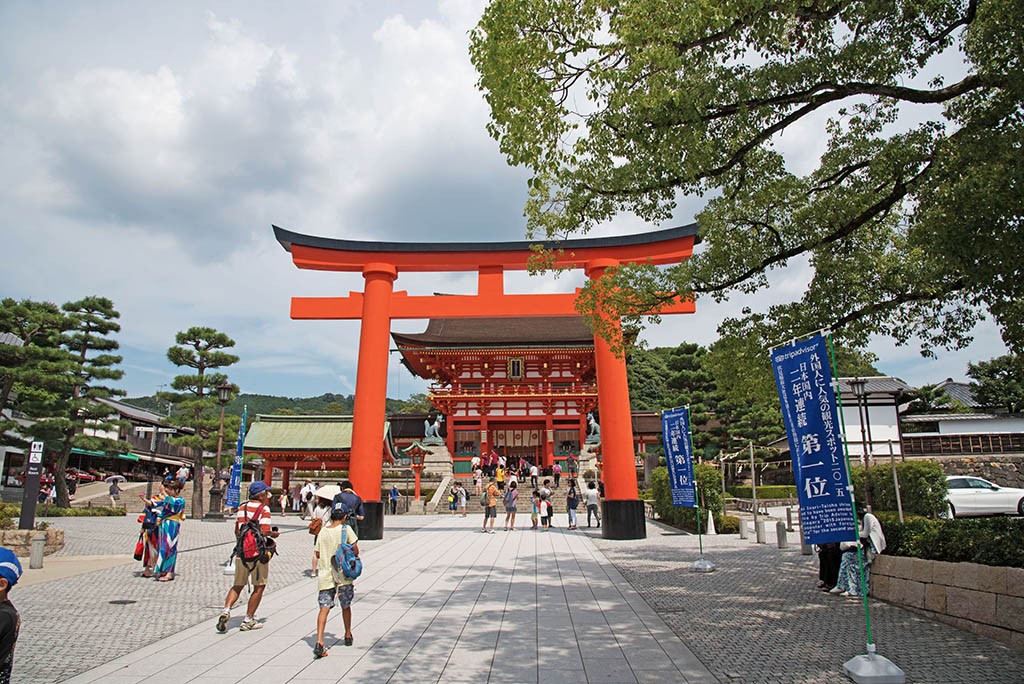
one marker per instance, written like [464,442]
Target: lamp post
[216,511]
[859,385]
[416,456]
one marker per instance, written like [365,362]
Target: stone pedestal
[623,520]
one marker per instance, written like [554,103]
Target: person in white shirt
[593,501]
[534,474]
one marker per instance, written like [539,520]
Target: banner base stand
[872,668]
[703,565]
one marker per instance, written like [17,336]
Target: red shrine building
[520,386]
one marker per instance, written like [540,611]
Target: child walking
[331,585]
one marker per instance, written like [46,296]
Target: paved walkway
[441,602]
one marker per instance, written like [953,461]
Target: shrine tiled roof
[300,433]
[489,332]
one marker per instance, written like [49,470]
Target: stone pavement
[442,602]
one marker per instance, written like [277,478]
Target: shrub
[988,541]
[709,494]
[922,487]
[727,524]
[51,511]
[765,492]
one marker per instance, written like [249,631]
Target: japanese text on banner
[810,412]
[675,430]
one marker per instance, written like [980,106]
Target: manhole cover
[122,602]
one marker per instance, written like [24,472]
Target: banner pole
[871,667]
[696,492]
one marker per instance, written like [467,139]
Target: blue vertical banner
[232,498]
[804,380]
[675,433]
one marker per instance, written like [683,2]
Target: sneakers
[249,624]
[222,622]
[319,651]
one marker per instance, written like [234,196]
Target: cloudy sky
[148,149]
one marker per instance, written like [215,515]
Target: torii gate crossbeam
[381,262]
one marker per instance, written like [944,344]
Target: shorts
[258,575]
[491,512]
[510,509]
[452,505]
[344,593]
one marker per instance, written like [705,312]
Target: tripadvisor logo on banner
[804,380]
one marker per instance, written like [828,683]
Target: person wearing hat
[10,621]
[321,516]
[328,587]
[354,502]
[257,507]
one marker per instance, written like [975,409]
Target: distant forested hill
[325,404]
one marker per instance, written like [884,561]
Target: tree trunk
[60,468]
[197,485]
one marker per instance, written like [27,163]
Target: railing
[523,390]
[747,505]
[955,445]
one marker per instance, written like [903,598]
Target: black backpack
[252,546]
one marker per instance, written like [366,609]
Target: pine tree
[195,400]
[87,364]
[30,361]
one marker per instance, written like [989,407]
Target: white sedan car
[975,496]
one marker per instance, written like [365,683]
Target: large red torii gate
[381,262]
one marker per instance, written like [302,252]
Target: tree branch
[879,208]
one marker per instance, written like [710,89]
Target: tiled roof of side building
[883,384]
[959,392]
[522,331]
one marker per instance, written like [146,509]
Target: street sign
[30,494]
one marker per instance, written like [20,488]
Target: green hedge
[727,524]
[765,492]
[709,491]
[922,487]
[988,541]
[51,511]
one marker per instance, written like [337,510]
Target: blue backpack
[345,561]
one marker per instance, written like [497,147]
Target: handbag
[485,501]
[139,546]
[315,525]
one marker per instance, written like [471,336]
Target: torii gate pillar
[623,511]
[371,395]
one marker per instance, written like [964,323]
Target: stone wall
[1005,471]
[20,541]
[978,598]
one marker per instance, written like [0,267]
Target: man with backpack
[253,548]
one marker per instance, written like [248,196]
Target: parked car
[970,496]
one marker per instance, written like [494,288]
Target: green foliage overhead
[906,205]
[999,383]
